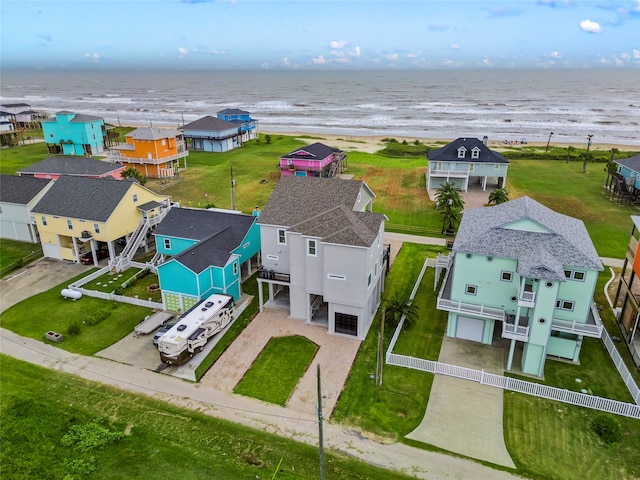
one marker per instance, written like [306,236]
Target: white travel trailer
[195,328]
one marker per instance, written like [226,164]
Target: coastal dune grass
[278,368]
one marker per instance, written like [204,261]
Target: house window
[461,152]
[565,305]
[272,257]
[578,276]
[369,280]
[69,224]
[439,166]
[506,276]
[496,166]
[96,227]
[164,141]
[471,289]
[282,236]
[347,324]
[44,220]
[475,153]
[167,244]
[135,197]
[235,268]
[472,167]
[51,135]
[575,275]
[312,248]
[332,276]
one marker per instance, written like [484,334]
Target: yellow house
[81,216]
[154,152]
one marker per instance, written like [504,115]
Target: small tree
[570,150]
[450,203]
[399,306]
[586,157]
[267,139]
[500,195]
[131,172]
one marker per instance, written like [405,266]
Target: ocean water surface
[502,104]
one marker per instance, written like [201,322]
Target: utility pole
[320,440]
[380,351]
[233,184]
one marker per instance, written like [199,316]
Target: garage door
[51,251]
[470,329]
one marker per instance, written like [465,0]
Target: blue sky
[302,34]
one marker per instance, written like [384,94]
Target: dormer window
[475,153]
[461,152]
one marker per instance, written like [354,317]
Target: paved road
[247,411]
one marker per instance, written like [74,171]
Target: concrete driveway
[463,416]
[35,278]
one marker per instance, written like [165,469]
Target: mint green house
[204,252]
[524,273]
[69,133]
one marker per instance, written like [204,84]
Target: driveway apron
[463,416]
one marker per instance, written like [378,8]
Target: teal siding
[175,277]
[250,244]
[177,245]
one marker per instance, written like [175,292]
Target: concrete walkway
[462,416]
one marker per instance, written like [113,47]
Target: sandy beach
[371,144]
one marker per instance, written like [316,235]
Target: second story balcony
[277,277]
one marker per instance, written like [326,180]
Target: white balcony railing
[509,330]
[527,299]
[474,309]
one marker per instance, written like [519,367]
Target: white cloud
[555,54]
[285,62]
[603,61]
[619,62]
[338,54]
[455,46]
[93,57]
[355,52]
[625,56]
[589,26]
[636,52]
[338,44]
[319,60]
[486,61]
[182,52]
[390,56]
[342,60]
[219,52]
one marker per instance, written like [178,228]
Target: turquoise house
[623,185]
[524,273]
[69,133]
[247,126]
[204,252]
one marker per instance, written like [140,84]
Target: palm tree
[570,150]
[586,157]
[399,306]
[500,195]
[450,203]
[611,166]
[131,172]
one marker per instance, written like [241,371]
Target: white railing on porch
[463,307]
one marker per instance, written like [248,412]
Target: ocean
[444,104]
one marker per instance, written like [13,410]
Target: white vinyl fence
[521,386]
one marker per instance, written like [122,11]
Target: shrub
[607,427]
[73,329]
[97,317]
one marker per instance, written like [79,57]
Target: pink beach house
[315,160]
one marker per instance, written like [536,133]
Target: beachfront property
[627,300]
[204,252]
[323,256]
[315,160]
[467,163]
[78,215]
[69,133]
[153,152]
[623,185]
[531,269]
[211,134]
[18,197]
[247,126]
[21,115]
[54,167]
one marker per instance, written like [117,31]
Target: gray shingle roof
[209,123]
[449,153]
[152,133]
[632,163]
[232,111]
[83,198]
[562,241]
[316,151]
[218,233]
[20,190]
[72,165]
[322,208]
[78,117]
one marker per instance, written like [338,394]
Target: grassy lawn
[14,254]
[277,370]
[110,282]
[88,325]
[398,405]
[153,440]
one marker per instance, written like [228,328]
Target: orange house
[154,152]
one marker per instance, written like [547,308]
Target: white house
[322,252]
[18,196]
